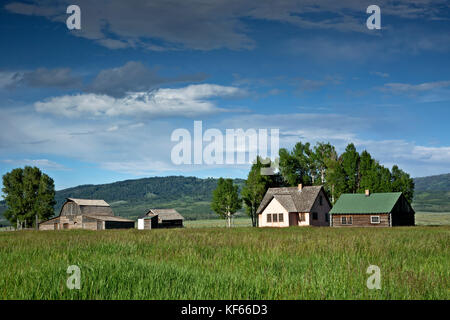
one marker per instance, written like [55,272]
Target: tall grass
[218,263]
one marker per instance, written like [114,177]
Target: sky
[101,104]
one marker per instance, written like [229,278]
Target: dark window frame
[269,218]
[280,217]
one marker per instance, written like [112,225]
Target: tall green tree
[335,178]
[402,182]
[296,166]
[350,164]
[225,200]
[322,154]
[28,193]
[367,172]
[256,186]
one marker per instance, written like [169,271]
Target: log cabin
[294,206]
[372,210]
[86,214]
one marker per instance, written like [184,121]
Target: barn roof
[88,202]
[165,214]
[291,198]
[359,203]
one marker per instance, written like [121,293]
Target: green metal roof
[359,203]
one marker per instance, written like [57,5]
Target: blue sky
[99,104]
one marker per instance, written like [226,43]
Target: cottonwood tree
[349,172]
[225,200]
[402,182]
[256,186]
[296,166]
[28,193]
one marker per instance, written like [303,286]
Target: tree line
[349,172]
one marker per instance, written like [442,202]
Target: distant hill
[191,196]
[432,193]
[433,183]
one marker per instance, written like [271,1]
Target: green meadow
[221,263]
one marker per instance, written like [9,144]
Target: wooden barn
[294,206]
[160,218]
[86,214]
[372,210]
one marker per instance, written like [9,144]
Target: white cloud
[189,101]
[40,163]
[144,147]
[414,88]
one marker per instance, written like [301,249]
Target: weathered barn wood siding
[96,210]
[90,223]
[49,224]
[361,220]
[70,209]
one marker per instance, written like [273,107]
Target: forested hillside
[432,193]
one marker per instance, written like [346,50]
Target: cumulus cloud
[188,101]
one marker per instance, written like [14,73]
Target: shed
[148,222]
[167,218]
[372,210]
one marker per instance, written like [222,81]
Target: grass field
[433,218]
[220,263]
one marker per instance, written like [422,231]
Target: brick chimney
[367,192]
[300,187]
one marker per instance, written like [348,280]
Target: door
[293,219]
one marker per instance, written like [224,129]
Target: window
[320,200]
[314,215]
[275,217]
[301,217]
[269,218]
[344,220]
[350,220]
[280,217]
[374,219]
[327,217]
